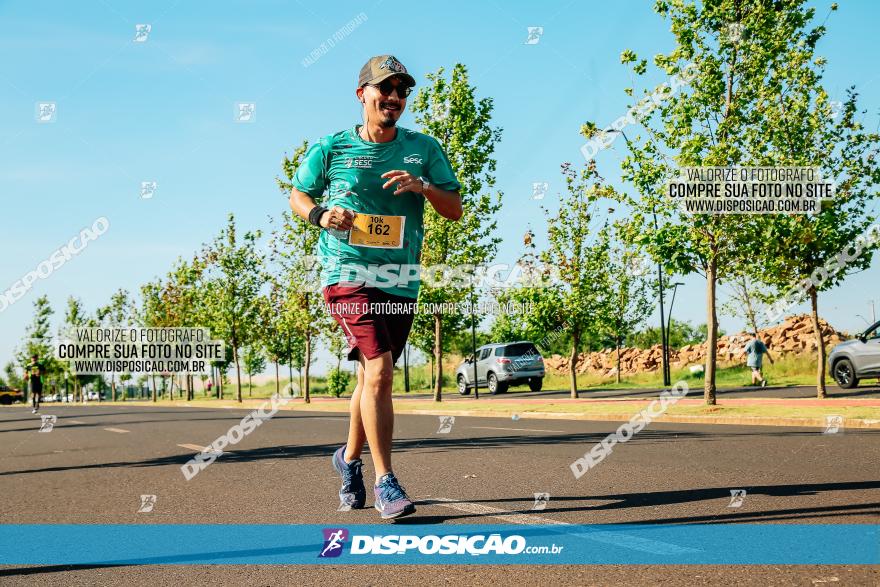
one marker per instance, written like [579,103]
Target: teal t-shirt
[344,170]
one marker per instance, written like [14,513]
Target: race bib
[382,232]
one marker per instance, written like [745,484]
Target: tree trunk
[113,387]
[237,374]
[250,385]
[307,396]
[290,372]
[219,383]
[618,359]
[277,383]
[712,331]
[820,345]
[153,381]
[438,356]
[572,364]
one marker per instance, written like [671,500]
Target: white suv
[856,359]
[502,365]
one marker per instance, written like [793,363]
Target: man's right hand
[338,218]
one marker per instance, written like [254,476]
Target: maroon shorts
[374,322]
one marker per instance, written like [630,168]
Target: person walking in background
[33,376]
[755,351]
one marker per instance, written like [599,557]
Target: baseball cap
[382,67]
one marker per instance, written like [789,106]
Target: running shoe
[764,383]
[352,493]
[391,498]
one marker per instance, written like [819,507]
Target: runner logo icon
[334,538]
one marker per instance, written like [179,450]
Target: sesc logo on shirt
[414,158]
[360,162]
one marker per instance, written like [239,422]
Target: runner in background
[33,375]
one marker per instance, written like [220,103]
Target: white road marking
[117,430]
[75,421]
[198,448]
[518,429]
[615,538]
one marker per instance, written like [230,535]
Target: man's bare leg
[356,435]
[376,410]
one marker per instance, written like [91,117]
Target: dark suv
[502,365]
[856,359]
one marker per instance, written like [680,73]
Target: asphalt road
[98,460]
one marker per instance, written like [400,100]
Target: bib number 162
[377,227]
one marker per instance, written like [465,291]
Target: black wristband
[315,215]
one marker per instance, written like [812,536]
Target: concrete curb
[341,406]
[813,422]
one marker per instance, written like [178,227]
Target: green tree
[578,249]
[276,328]
[232,282]
[293,254]
[153,313]
[75,316]
[38,340]
[337,382]
[745,300]
[13,379]
[629,299]
[726,116]
[797,249]
[254,363]
[117,314]
[449,110]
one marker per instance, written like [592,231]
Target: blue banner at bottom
[711,544]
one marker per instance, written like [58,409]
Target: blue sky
[163,111]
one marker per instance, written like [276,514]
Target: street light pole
[669,320]
[405,368]
[669,326]
[474,346]
[663,331]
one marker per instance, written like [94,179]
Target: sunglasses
[386,87]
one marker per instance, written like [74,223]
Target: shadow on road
[688,496]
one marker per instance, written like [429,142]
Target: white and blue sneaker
[391,499]
[352,494]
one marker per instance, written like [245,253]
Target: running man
[755,350]
[33,374]
[377,177]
